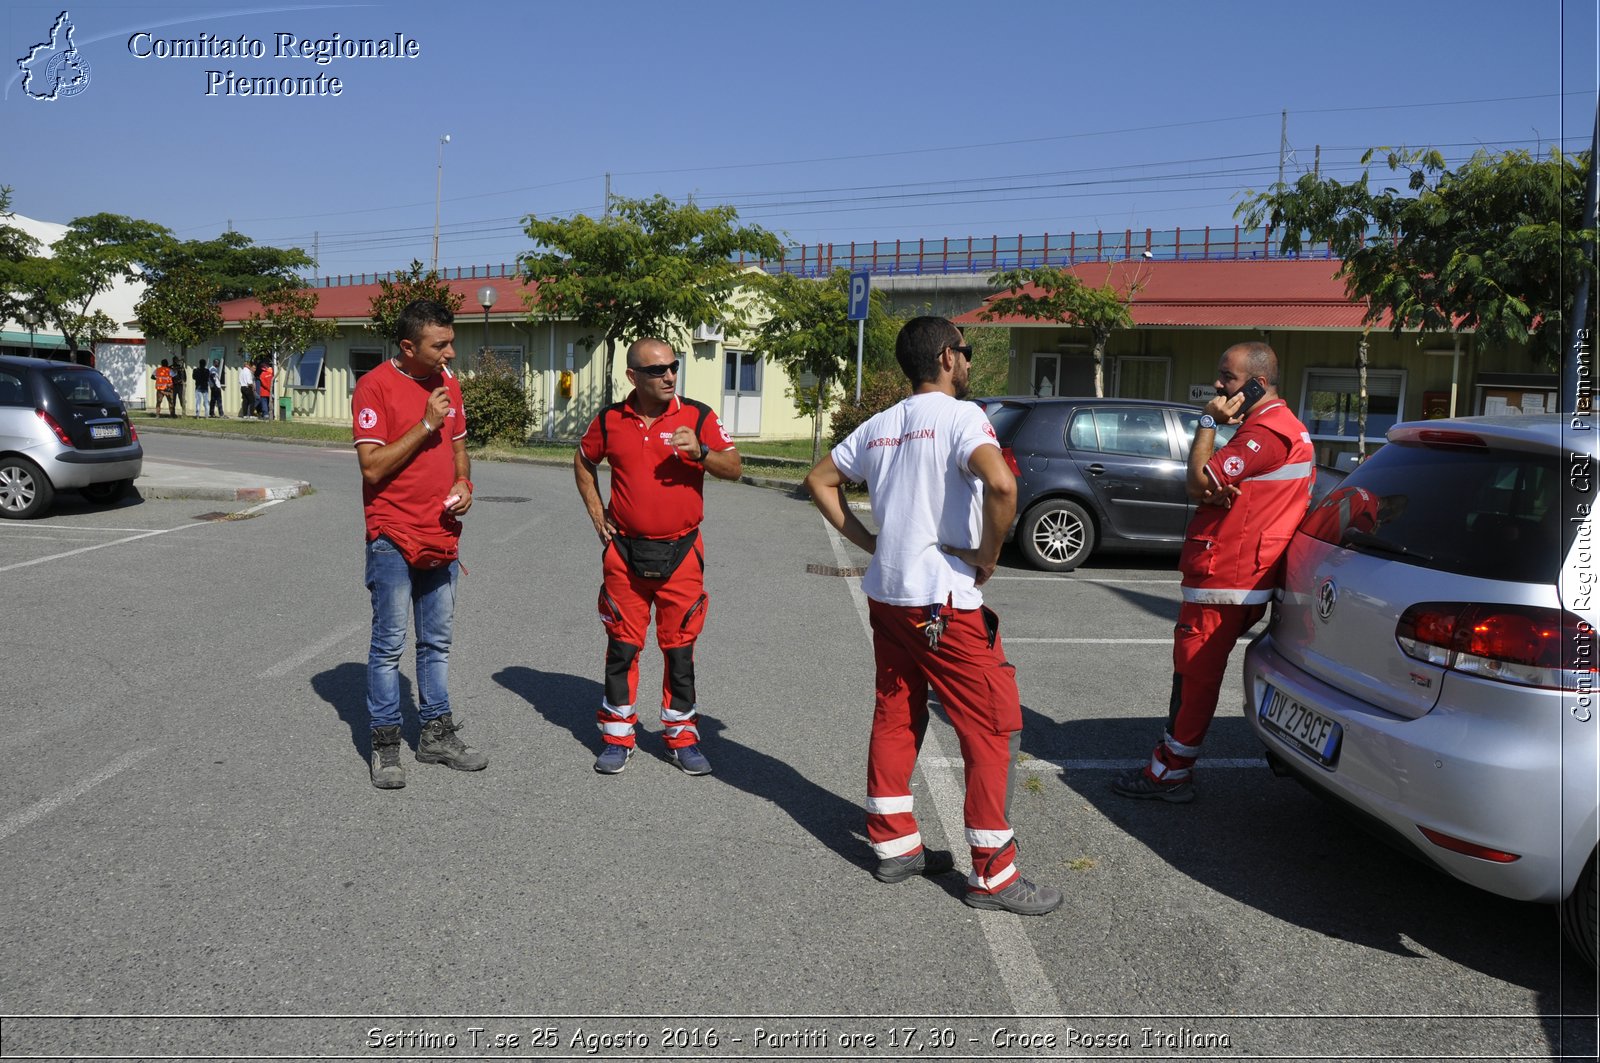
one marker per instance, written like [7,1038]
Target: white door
[741,393]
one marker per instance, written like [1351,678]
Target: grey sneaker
[612,759]
[1137,783]
[1021,896]
[690,760]
[439,745]
[926,862]
[387,771]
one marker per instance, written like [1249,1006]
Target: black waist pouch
[654,558]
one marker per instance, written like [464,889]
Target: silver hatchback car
[1433,661]
[62,427]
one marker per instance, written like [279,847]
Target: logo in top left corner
[54,69]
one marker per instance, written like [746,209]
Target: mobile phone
[1252,392]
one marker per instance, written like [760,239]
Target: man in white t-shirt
[943,498]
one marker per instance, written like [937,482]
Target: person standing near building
[163,379]
[247,391]
[410,438]
[215,409]
[265,375]
[202,387]
[943,498]
[660,447]
[180,385]
[1253,493]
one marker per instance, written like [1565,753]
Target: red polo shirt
[655,492]
[388,404]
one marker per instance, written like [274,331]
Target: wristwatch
[1208,421]
[704,450]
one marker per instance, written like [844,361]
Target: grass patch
[1082,863]
[1033,784]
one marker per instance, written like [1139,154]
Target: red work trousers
[626,600]
[1201,643]
[978,689]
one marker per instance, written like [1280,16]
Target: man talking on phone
[1252,494]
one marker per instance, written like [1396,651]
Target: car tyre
[25,491]
[1056,535]
[107,493]
[1580,914]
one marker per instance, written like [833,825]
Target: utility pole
[605,211]
[1283,144]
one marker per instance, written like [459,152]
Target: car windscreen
[1481,512]
[1006,417]
[82,387]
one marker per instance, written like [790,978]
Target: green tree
[181,310]
[1494,246]
[393,296]
[16,246]
[284,327]
[807,333]
[648,267]
[93,254]
[497,404]
[1058,295]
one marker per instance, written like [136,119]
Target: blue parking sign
[860,284]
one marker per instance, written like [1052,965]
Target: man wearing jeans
[410,437]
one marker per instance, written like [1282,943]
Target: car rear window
[1007,417]
[82,387]
[1491,514]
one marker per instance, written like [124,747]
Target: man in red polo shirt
[660,447]
[1252,494]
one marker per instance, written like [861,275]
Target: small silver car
[62,427]
[1433,661]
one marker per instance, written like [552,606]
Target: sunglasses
[965,350]
[661,370]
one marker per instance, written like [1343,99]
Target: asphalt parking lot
[192,853]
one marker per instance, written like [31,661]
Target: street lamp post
[486,297]
[438,196]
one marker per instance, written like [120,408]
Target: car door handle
[1097,469]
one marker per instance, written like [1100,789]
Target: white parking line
[284,667]
[17,820]
[100,546]
[1014,956]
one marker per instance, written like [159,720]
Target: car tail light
[1011,460]
[133,433]
[1523,644]
[1456,845]
[55,426]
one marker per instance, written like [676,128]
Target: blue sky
[824,121]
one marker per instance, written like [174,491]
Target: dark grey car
[62,427]
[1097,474]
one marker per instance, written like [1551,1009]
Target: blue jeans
[398,592]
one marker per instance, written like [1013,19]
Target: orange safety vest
[163,378]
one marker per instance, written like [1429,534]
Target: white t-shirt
[913,458]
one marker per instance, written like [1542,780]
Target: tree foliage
[497,407]
[807,333]
[394,296]
[1058,295]
[649,267]
[1493,246]
[284,327]
[181,309]
[16,246]
[94,253]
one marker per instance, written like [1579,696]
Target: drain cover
[214,517]
[500,498]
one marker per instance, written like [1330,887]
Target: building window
[1330,404]
[308,368]
[364,361]
[1143,377]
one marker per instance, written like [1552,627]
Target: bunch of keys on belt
[933,627]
